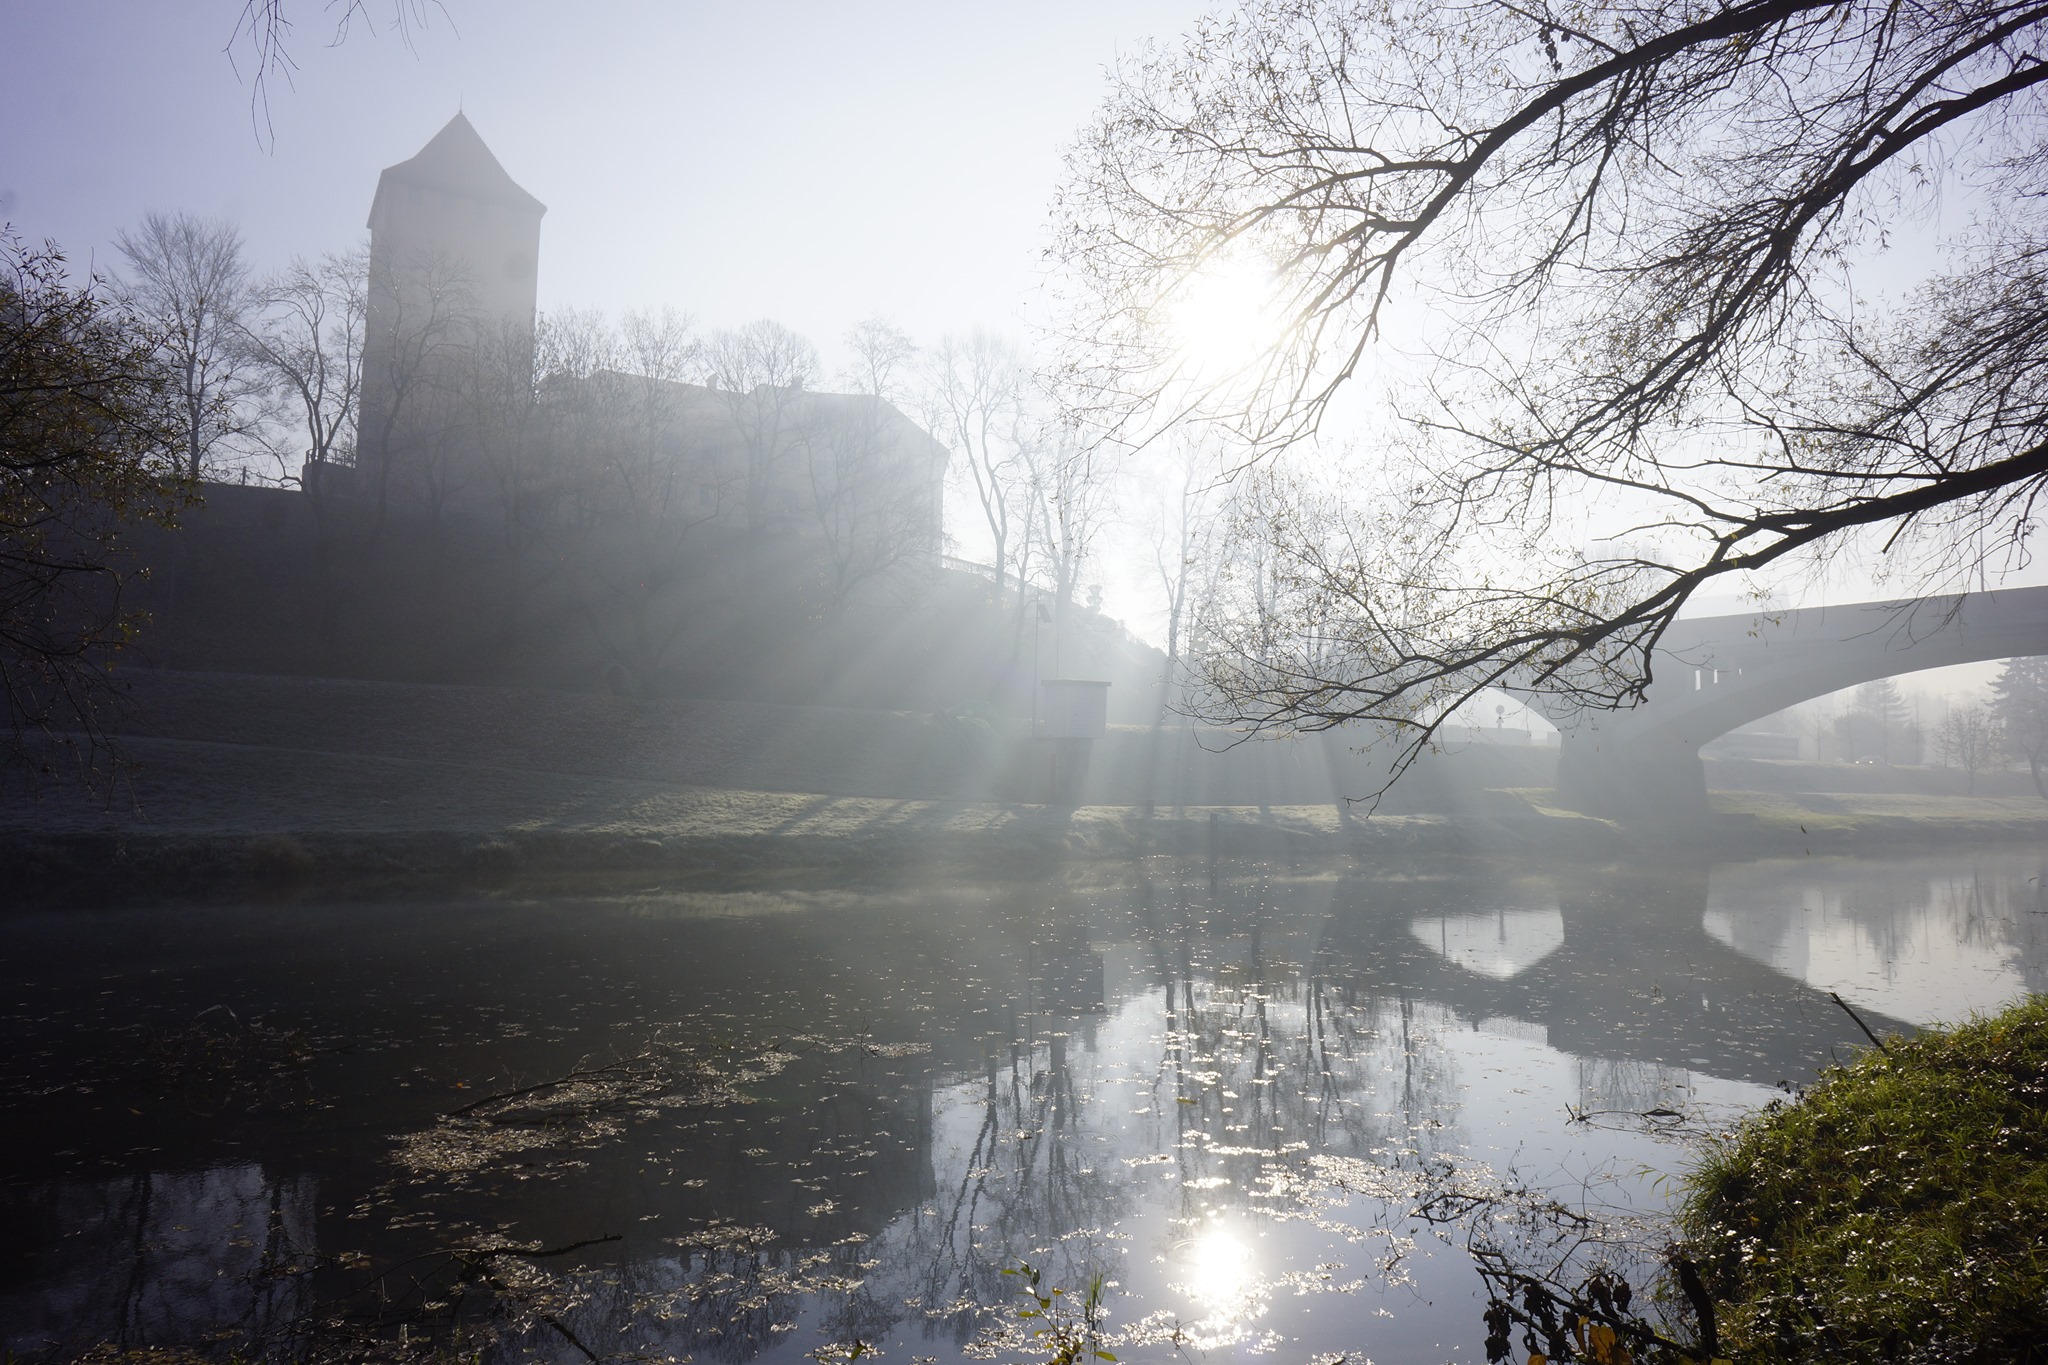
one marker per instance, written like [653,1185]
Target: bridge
[1712,674]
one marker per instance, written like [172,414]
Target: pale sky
[810,162]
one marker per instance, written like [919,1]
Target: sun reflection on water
[1218,1268]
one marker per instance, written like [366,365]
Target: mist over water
[592,773]
[781,1122]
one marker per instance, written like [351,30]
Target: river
[1263,1111]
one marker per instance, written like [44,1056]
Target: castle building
[454,251]
[454,260]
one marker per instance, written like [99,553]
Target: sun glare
[1220,1273]
[1223,316]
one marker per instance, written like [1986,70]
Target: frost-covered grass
[1848,810]
[1898,1211]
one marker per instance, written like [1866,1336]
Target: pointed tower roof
[456,161]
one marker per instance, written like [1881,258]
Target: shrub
[1896,1212]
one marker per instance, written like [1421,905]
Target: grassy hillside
[259,580]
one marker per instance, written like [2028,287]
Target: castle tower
[454,249]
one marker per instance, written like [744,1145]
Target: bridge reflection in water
[875,1101]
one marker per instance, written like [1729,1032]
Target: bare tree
[660,345]
[578,361]
[264,29]
[870,475]
[1188,488]
[496,435]
[655,472]
[576,354]
[1285,611]
[1181,491]
[520,471]
[307,338]
[1969,738]
[419,344]
[188,286]
[575,419]
[880,356]
[1607,260]
[637,496]
[1072,483]
[761,372]
[973,399]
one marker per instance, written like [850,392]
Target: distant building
[1749,742]
[848,470]
[454,264]
[1484,734]
[454,257]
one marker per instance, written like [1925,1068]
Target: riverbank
[1897,1211]
[195,817]
[1759,824]
[200,817]
[239,782]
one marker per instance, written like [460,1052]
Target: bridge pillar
[1651,778]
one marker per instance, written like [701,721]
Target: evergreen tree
[2019,698]
[1877,718]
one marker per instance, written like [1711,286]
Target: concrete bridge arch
[1712,674]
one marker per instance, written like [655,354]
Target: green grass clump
[1896,1212]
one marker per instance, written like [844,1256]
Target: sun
[1223,316]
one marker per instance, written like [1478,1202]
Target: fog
[761,684]
[685,159]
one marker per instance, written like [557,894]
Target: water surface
[773,1124]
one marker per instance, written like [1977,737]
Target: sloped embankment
[255,781]
[1896,1212]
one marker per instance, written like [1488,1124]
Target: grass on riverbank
[1867,812]
[1897,1212]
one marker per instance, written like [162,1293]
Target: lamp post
[1037,620]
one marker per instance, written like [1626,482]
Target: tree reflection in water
[1927,939]
[820,1121]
